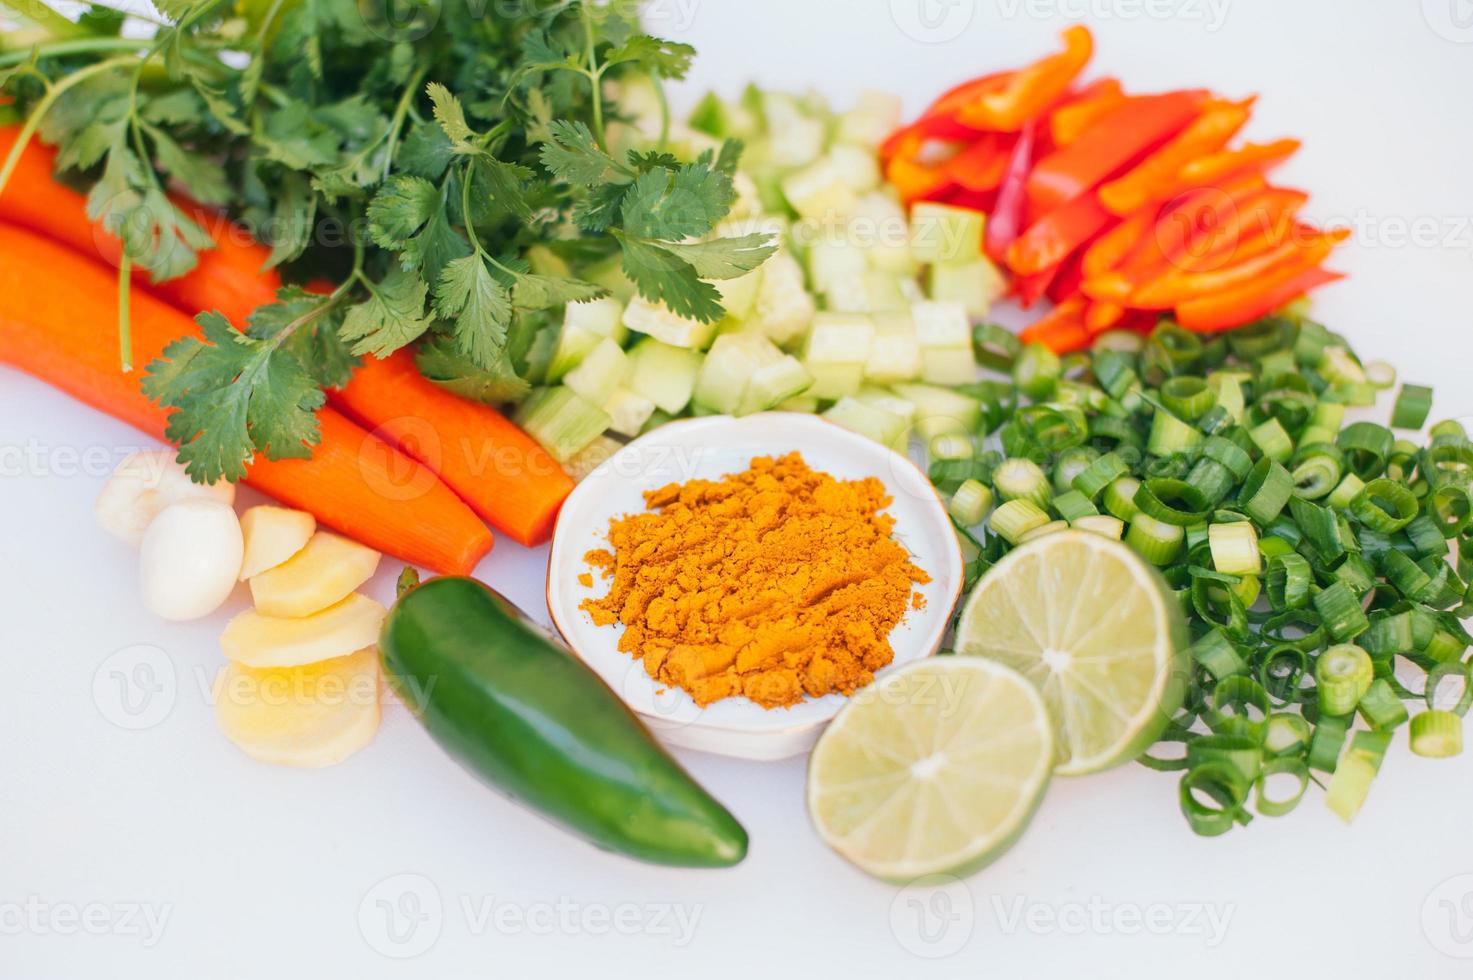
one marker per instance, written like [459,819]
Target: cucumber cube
[944,235]
[875,117]
[948,365]
[773,384]
[973,284]
[739,295]
[819,191]
[833,259]
[889,401]
[584,325]
[658,321]
[628,412]
[561,421]
[831,381]
[880,227]
[856,167]
[802,404]
[838,349]
[940,411]
[895,355]
[723,120]
[733,360]
[664,374]
[942,324]
[870,291]
[785,308]
[868,420]
[600,373]
[796,136]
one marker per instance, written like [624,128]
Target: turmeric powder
[775,584]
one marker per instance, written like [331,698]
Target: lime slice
[1096,628]
[935,768]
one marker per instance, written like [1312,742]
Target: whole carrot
[56,314]
[495,467]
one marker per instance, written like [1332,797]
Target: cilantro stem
[396,124]
[125,318]
[44,104]
[595,74]
[62,49]
[465,208]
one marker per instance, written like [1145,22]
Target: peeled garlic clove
[190,559]
[142,486]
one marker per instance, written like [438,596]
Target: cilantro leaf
[668,59]
[725,258]
[534,292]
[468,294]
[451,116]
[575,156]
[425,152]
[233,397]
[686,204]
[663,276]
[203,178]
[505,181]
[401,207]
[392,317]
[292,221]
[313,320]
[439,361]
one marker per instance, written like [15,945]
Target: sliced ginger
[309,716]
[257,640]
[326,570]
[272,535]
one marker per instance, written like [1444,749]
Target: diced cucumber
[840,338]
[664,374]
[600,373]
[609,273]
[833,259]
[545,262]
[948,365]
[628,412]
[722,119]
[889,401]
[785,308]
[658,321]
[773,384]
[739,295]
[796,137]
[802,404]
[875,117]
[732,361]
[940,410]
[871,291]
[584,325]
[939,324]
[819,191]
[973,284]
[868,420]
[561,421]
[572,347]
[895,354]
[748,203]
[591,457]
[831,381]
[942,234]
[856,166]
[879,226]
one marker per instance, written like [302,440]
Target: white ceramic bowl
[709,448]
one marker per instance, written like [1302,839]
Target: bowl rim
[955,571]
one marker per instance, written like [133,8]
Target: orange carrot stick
[56,312]
[495,467]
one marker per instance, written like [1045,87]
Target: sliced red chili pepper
[1051,240]
[1156,177]
[1029,93]
[1223,311]
[1229,163]
[912,178]
[1114,245]
[1179,287]
[1061,329]
[982,166]
[1078,113]
[1006,221]
[1117,140]
[1099,317]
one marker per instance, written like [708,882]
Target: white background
[264,872]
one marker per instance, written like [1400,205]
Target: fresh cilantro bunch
[443,181]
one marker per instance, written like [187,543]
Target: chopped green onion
[1342,675]
[1188,397]
[1345,492]
[1367,447]
[1341,612]
[1267,489]
[1120,498]
[1450,507]
[1217,655]
[1100,474]
[1157,497]
[1016,518]
[1316,476]
[970,503]
[1279,806]
[1330,732]
[1286,733]
[1022,479]
[1339,366]
[1170,435]
[1156,541]
[995,346]
[1052,527]
[1223,785]
[1437,734]
[1272,440]
[1235,548]
[1036,370]
[1381,707]
[1073,505]
[1104,524]
[1413,405]
[1288,580]
[1381,375]
[952,445]
[1442,672]
[1352,780]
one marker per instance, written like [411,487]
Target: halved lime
[1095,627]
[935,768]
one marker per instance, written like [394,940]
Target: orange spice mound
[776,584]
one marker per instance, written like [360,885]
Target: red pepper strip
[1114,245]
[1006,222]
[1262,234]
[1031,289]
[1270,211]
[939,119]
[982,166]
[1069,120]
[1251,156]
[1030,92]
[1178,287]
[949,104]
[1099,317]
[1185,219]
[1051,240]
[1223,311]
[1116,140]
[1067,278]
[1155,178]
[1108,287]
[912,178]
[1061,329]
